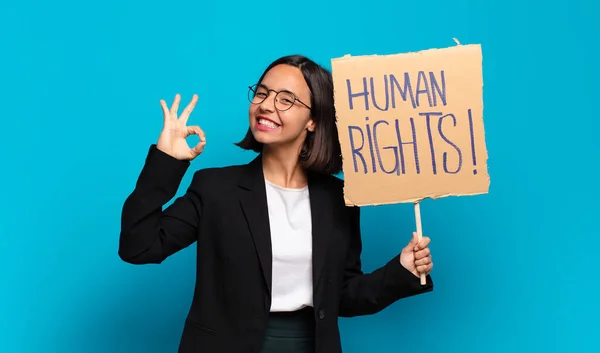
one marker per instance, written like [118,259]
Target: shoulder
[219,174]
[336,183]
[217,178]
[328,181]
[334,186]
[231,171]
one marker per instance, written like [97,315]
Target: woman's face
[272,126]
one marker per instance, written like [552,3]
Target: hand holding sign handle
[419,234]
[416,256]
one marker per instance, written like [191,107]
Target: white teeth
[268,123]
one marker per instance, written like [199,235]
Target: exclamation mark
[472,142]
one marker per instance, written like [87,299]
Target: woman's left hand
[416,256]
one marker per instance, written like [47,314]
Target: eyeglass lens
[283,100]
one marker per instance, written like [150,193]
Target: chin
[264,140]
[260,136]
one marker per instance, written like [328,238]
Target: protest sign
[411,125]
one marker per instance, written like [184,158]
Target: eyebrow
[283,90]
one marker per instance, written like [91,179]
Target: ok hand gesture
[175,131]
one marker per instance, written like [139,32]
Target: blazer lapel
[320,204]
[253,199]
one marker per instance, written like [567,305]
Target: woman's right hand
[172,137]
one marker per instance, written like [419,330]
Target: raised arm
[364,294]
[149,234]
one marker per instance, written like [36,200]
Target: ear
[310,126]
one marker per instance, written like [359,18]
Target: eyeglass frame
[255,86]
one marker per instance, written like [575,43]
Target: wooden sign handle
[419,234]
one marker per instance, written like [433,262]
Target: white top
[291,239]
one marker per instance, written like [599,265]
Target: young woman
[278,251]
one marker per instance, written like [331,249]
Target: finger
[175,106]
[414,239]
[425,268]
[166,113]
[199,148]
[422,253]
[188,110]
[423,261]
[423,243]
[196,130]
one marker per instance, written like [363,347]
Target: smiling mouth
[267,123]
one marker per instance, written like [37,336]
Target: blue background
[80,84]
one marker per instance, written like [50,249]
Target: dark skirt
[290,332]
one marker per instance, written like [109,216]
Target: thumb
[413,241]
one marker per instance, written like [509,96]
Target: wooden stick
[419,234]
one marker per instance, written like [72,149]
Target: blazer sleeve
[149,234]
[364,294]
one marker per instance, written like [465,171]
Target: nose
[269,103]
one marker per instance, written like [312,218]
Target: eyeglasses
[284,100]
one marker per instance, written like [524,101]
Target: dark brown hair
[321,150]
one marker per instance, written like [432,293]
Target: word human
[395,88]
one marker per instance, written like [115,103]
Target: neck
[281,166]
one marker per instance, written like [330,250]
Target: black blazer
[225,211]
